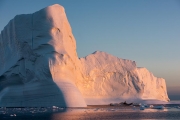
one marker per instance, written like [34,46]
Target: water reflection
[91,112]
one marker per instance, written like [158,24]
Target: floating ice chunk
[137,104]
[112,109]
[142,107]
[158,107]
[61,108]
[151,106]
[13,115]
[54,107]
[145,105]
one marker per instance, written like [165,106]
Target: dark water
[170,111]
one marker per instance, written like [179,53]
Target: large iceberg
[107,78]
[39,67]
[38,61]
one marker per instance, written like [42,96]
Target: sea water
[168,111]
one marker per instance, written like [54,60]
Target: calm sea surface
[170,111]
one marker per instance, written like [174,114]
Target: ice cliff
[39,66]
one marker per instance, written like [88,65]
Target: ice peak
[54,7]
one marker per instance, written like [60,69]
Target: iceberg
[110,79]
[38,61]
[39,67]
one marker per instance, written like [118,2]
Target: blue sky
[146,31]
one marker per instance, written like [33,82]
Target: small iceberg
[137,104]
[142,107]
[112,109]
[54,107]
[13,115]
[151,106]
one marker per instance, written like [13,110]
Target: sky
[145,31]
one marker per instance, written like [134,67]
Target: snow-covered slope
[39,66]
[110,79]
